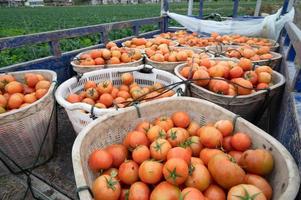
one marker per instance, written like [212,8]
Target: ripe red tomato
[245,191]
[165,122]
[199,177]
[155,132]
[165,191]
[139,191]
[118,152]
[191,193]
[225,172]
[179,152]
[176,136]
[241,141]
[128,172]
[150,171]
[134,139]
[175,171]
[100,159]
[192,128]
[159,149]
[143,126]
[227,144]
[140,154]
[224,126]
[236,155]
[106,187]
[260,183]
[195,145]
[258,161]
[195,161]
[180,119]
[214,192]
[210,137]
[206,154]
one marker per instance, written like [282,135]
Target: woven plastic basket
[273,62]
[170,66]
[112,129]
[83,69]
[247,106]
[22,130]
[81,119]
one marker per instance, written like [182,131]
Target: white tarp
[268,27]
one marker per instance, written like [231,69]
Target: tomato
[155,132]
[165,122]
[111,172]
[180,119]
[143,127]
[195,161]
[3,101]
[257,161]
[106,187]
[105,87]
[227,143]
[194,144]
[14,87]
[214,192]
[43,85]
[210,137]
[264,77]
[241,141]
[260,183]
[206,154]
[100,159]
[128,172]
[40,93]
[225,172]
[175,171]
[73,98]
[236,72]
[224,126]
[15,101]
[244,87]
[127,78]
[260,69]
[191,193]
[92,93]
[192,128]
[118,152]
[251,76]
[89,84]
[176,136]
[245,64]
[140,154]
[150,171]
[262,86]
[30,98]
[220,87]
[165,191]
[159,149]
[201,77]
[245,191]
[124,194]
[236,155]
[135,138]
[31,79]
[105,99]
[139,191]
[88,101]
[179,152]
[199,177]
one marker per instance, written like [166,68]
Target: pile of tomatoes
[106,95]
[174,158]
[176,35]
[109,55]
[163,53]
[142,43]
[252,53]
[15,94]
[228,77]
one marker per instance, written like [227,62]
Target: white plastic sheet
[268,27]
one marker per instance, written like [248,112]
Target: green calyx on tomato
[173,174]
[173,135]
[191,169]
[111,182]
[158,146]
[247,195]
[161,134]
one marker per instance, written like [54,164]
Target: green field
[21,21]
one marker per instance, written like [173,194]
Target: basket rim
[280,83]
[175,43]
[276,55]
[99,111]
[50,90]
[293,176]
